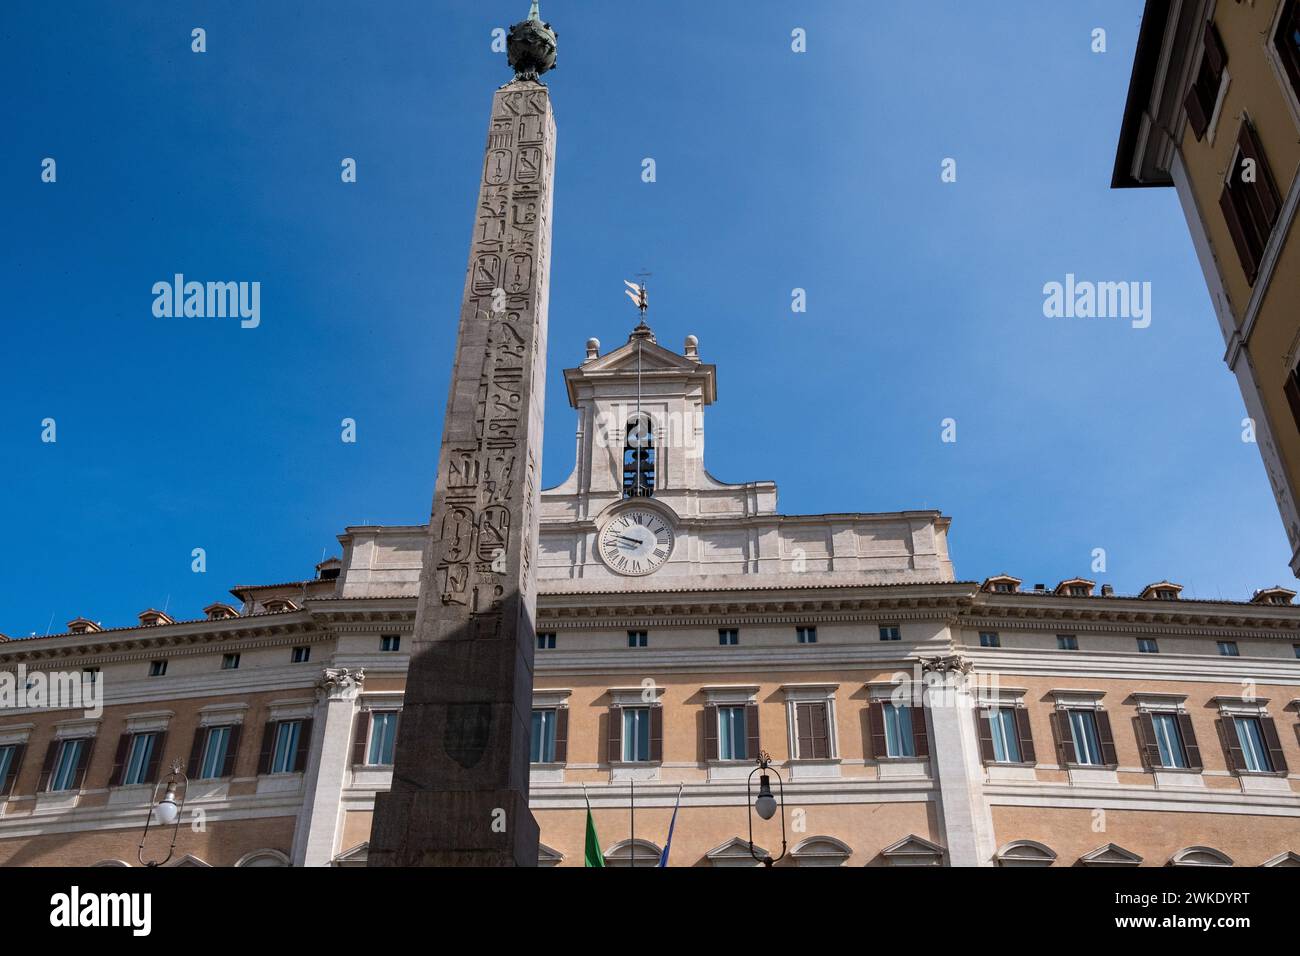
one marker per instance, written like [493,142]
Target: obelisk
[460,777]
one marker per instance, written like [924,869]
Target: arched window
[639,457]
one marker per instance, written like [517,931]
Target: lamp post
[765,804]
[166,812]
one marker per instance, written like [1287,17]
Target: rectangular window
[1006,740]
[383,736]
[157,668]
[301,655]
[230,662]
[728,636]
[137,759]
[636,733]
[990,639]
[1296,648]
[1250,202]
[731,733]
[390,643]
[543,741]
[1203,97]
[1147,645]
[1004,588]
[213,762]
[1170,741]
[1067,642]
[1286,41]
[806,635]
[891,632]
[546,640]
[64,775]
[638,639]
[8,754]
[90,675]
[899,741]
[285,754]
[1253,749]
[1228,649]
[812,735]
[1087,745]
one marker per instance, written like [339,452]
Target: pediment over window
[548,856]
[821,851]
[1283,859]
[266,857]
[1025,853]
[358,855]
[189,859]
[913,850]
[735,852]
[1200,856]
[625,851]
[1110,854]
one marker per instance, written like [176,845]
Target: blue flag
[668,844]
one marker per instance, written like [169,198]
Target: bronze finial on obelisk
[460,777]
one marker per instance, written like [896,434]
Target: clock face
[636,542]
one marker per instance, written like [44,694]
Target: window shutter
[710,732]
[920,735]
[561,735]
[1026,736]
[1292,391]
[83,761]
[1147,744]
[155,757]
[1188,733]
[985,728]
[1238,233]
[1196,113]
[657,732]
[1265,187]
[1064,738]
[615,734]
[821,742]
[304,747]
[119,760]
[803,728]
[1232,753]
[1274,744]
[193,765]
[753,743]
[1106,739]
[268,747]
[15,763]
[360,733]
[232,750]
[876,724]
[1215,54]
[47,768]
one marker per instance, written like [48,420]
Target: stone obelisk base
[447,838]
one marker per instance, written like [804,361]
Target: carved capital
[336,682]
[950,664]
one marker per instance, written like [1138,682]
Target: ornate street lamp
[166,812]
[765,804]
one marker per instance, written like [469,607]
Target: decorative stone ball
[530,48]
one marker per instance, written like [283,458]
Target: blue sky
[775,170]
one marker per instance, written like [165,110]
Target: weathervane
[636,292]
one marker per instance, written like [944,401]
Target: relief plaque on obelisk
[460,777]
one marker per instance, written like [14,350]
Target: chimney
[1107,590]
[1040,587]
[79,625]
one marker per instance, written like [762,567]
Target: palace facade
[1214,111]
[685,625]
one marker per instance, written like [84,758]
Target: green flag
[592,855]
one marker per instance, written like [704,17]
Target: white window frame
[1279,71]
